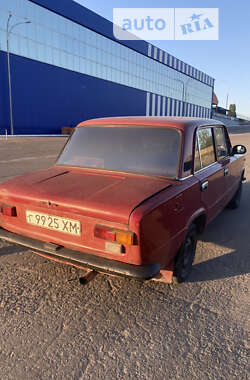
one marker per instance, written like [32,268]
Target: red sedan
[127,196]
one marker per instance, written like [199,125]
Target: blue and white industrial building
[67,66]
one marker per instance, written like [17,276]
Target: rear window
[145,150]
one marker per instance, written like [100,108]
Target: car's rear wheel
[185,257]
[235,201]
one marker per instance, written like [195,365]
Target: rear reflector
[113,247]
[8,210]
[111,234]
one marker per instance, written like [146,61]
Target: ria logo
[197,24]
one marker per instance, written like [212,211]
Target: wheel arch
[199,219]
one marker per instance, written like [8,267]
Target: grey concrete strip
[27,159]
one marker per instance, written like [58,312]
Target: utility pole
[183,88]
[227,101]
[8,32]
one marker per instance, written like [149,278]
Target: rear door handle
[204,186]
[226,171]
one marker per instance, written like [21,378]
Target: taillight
[8,210]
[125,237]
[105,233]
[111,234]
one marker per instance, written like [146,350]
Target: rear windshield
[145,150]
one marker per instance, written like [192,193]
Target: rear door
[210,172]
[222,147]
[234,164]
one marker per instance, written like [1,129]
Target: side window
[220,142]
[204,150]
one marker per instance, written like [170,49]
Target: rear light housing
[105,233]
[114,235]
[8,210]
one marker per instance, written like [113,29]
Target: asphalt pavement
[52,327]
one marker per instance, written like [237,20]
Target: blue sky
[227,60]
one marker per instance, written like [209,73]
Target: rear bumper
[142,272]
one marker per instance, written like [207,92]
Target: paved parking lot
[51,327]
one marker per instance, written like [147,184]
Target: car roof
[163,121]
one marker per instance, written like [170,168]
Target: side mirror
[239,149]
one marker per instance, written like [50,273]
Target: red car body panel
[157,210]
[91,198]
[97,194]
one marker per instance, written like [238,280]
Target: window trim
[199,152]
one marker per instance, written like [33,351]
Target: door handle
[226,171]
[204,186]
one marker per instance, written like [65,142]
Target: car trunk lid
[103,195]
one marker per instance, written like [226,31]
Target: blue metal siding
[46,98]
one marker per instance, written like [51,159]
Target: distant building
[66,66]
[215,100]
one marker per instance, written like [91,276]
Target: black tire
[235,201]
[185,257]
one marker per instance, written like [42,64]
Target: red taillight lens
[105,233]
[111,234]
[8,210]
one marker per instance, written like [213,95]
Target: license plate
[55,223]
